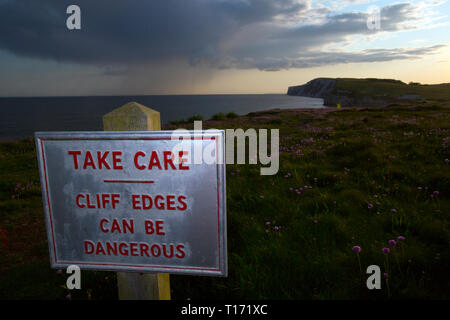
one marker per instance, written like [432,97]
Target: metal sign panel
[144,201]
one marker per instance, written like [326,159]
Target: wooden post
[132,285]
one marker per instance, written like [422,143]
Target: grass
[386,88]
[351,167]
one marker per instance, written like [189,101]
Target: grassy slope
[392,88]
[350,158]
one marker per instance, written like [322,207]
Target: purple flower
[59,271]
[276,228]
[386,250]
[385,275]
[447,160]
[267,231]
[316,222]
[435,193]
[290,189]
[356,249]
[267,223]
[370,206]
[262,197]
[393,210]
[392,243]
[69,296]
[401,238]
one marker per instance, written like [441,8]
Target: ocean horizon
[20,117]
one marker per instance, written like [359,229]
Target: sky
[136,47]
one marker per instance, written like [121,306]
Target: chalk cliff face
[325,88]
[317,88]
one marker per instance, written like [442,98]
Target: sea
[21,117]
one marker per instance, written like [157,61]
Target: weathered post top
[132,116]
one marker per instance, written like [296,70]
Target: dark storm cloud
[122,31]
[217,33]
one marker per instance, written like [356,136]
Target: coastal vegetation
[356,187]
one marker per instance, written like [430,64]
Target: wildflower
[262,197]
[378,203]
[385,275]
[290,189]
[386,250]
[393,210]
[267,231]
[401,238]
[316,222]
[276,228]
[356,249]
[392,243]
[436,193]
[69,296]
[232,173]
[370,206]
[447,160]
[267,223]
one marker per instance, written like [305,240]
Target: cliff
[351,92]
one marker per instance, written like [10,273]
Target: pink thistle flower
[385,250]
[370,206]
[392,243]
[262,197]
[401,238]
[393,210]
